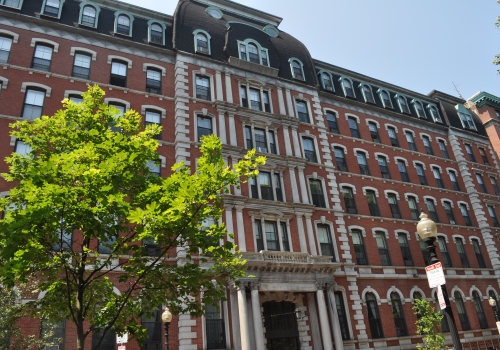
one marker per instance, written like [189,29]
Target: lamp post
[493,304]
[427,230]
[166,317]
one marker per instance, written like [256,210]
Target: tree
[496,61]
[87,214]
[428,324]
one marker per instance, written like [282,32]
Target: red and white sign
[121,347]
[442,303]
[435,275]
[122,339]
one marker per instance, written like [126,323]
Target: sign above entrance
[435,275]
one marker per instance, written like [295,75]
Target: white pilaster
[222,127]
[229,221]
[296,144]
[218,85]
[288,145]
[303,188]
[293,182]
[323,321]
[289,103]
[235,319]
[232,130]
[302,235]
[243,315]
[281,101]
[229,91]
[334,320]
[241,229]
[310,235]
[237,191]
[257,318]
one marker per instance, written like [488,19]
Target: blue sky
[419,45]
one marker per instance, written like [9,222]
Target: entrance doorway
[281,325]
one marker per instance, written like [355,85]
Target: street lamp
[166,317]
[427,230]
[493,304]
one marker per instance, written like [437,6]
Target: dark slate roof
[454,119]
[191,15]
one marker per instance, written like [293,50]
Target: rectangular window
[385,258]
[393,136]
[363,165]
[244,98]
[302,111]
[76,98]
[284,237]
[462,253]
[384,169]
[58,333]
[412,203]
[255,102]
[272,239]
[405,249]
[22,148]
[154,168]
[467,121]
[403,171]
[374,132]
[278,189]
[5,46]
[118,74]
[108,342]
[42,58]
[214,325]
[443,149]
[470,153]
[266,187]
[332,123]
[203,88]
[317,193]
[33,104]
[425,252]
[153,326]
[258,235]
[204,127]
[427,145]
[432,210]
[449,213]
[479,178]
[437,176]
[372,203]
[353,126]
[393,204]
[484,156]
[254,191]
[340,159]
[465,214]
[52,8]
[454,180]
[325,241]
[248,137]
[444,252]
[81,66]
[495,185]
[153,81]
[421,174]
[479,254]
[263,55]
[411,141]
[309,149]
[121,111]
[350,204]
[493,216]
[153,118]
[260,140]
[267,102]
[12,3]
[272,142]
[359,247]
[344,325]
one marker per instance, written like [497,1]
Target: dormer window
[52,8]
[297,68]
[251,51]
[201,43]
[435,114]
[348,87]
[89,16]
[156,34]
[367,93]
[385,97]
[327,81]
[403,106]
[123,25]
[467,121]
[11,3]
[419,109]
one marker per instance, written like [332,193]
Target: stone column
[296,144]
[302,236]
[242,311]
[289,103]
[257,318]
[218,85]
[293,182]
[229,91]
[222,127]
[281,101]
[288,144]
[303,188]
[323,320]
[232,130]
[237,191]
[310,235]
[334,319]
[241,229]
[235,319]
[229,221]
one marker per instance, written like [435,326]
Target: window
[297,71]
[214,12]
[267,102]
[327,81]
[367,93]
[278,189]
[202,44]
[33,104]
[153,118]
[348,88]
[52,8]
[384,169]
[385,258]
[153,326]
[427,145]
[89,15]
[363,165]
[205,227]
[203,88]
[11,3]
[393,204]
[465,214]
[403,171]
[156,34]
[437,176]
[325,240]
[416,296]
[108,342]
[252,52]
[22,148]
[123,25]
[81,66]
[484,156]
[374,317]
[478,305]
[443,149]
[309,149]
[316,188]
[454,180]
[350,204]
[468,148]
[58,332]
[284,237]
[412,203]
[405,249]
[421,174]
[432,210]
[5,46]
[121,110]
[493,216]
[150,246]
[403,105]
[153,81]
[269,185]
[435,114]
[372,203]
[449,213]
[420,110]
[255,102]
[495,185]
[444,252]
[214,325]
[272,142]
[118,74]
[42,58]
[386,99]
[479,178]
[359,247]
[393,137]
[271,236]
[260,140]
[332,122]
[64,234]
[244,98]
[340,159]
[462,314]
[398,314]
[344,326]
[302,111]
[374,132]
[107,247]
[461,252]
[425,252]
[411,141]
[353,126]
[479,254]
[497,113]
[204,127]
[467,121]
[266,186]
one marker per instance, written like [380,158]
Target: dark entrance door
[281,325]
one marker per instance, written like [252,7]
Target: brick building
[329,227]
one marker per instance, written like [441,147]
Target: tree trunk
[80,337]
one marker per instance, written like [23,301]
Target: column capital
[299,215]
[239,208]
[331,286]
[255,285]
[228,71]
[228,207]
[308,215]
[301,168]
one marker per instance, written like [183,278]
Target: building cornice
[483,98]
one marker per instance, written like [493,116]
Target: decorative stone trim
[120,58]
[375,229]
[163,161]
[438,167]
[4,82]
[444,236]
[308,134]
[495,175]
[333,145]
[415,162]
[348,185]
[422,134]
[369,289]
[368,188]
[393,289]
[386,193]
[475,237]
[441,139]
[159,109]
[398,231]
[431,198]
[34,41]
[202,71]
[25,85]
[405,130]
[368,120]
[387,159]
[454,170]
[400,158]
[447,200]
[301,97]
[355,150]
[455,236]
[387,125]
[83,49]
[347,115]
[478,171]
[334,112]
[457,289]
[416,289]
[464,203]
[117,100]
[409,194]
[72,92]
[145,67]
[490,288]
[15,36]
[355,227]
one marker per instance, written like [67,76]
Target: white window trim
[72,92]
[203,72]
[309,110]
[379,93]
[315,176]
[35,41]
[472,289]
[159,109]
[272,171]
[415,162]
[145,67]
[332,234]
[478,171]
[204,113]
[457,289]
[441,139]
[262,88]
[5,82]
[436,166]
[398,231]
[444,236]
[331,110]
[422,134]
[398,95]
[429,108]
[369,289]
[405,130]
[414,102]
[356,150]
[26,85]
[333,145]
[345,184]
[409,194]
[452,205]
[431,198]
[369,188]
[403,159]
[392,126]
[261,125]
[274,218]
[380,154]
[455,236]
[387,192]
[316,149]
[341,81]
[368,120]
[356,227]
[393,289]
[493,289]
[347,115]
[15,36]
[471,238]
[386,233]
[416,289]
[360,86]
[120,58]
[117,100]
[464,203]
[83,49]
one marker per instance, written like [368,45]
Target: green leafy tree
[496,61]
[84,205]
[429,325]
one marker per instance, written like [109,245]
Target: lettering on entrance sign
[442,303]
[122,339]
[121,347]
[435,275]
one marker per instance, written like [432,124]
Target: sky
[419,45]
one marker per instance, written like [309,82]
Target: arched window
[253,53]
[349,92]
[156,34]
[492,294]
[420,110]
[417,295]
[327,81]
[435,114]
[398,314]
[123,25]
[403,105]
[386,99]
[89,16]
[478,305]
[52,8]
[297,70]
[367,92]
[201,43]
[374,316]
[462,314]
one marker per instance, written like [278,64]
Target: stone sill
[253,67]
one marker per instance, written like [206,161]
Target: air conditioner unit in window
[262,149]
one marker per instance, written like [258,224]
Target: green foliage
[429,325]
[82,177]
[496,61]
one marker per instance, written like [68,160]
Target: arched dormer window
[419,108]
[385,97]
[123,23]
[326,80]
[52,8]
[403,105]
[18,4]
[297,68]
[434,113]
[367,92]
[89,14]
[250,50]
[156,32]
[202,42]
[347,86]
